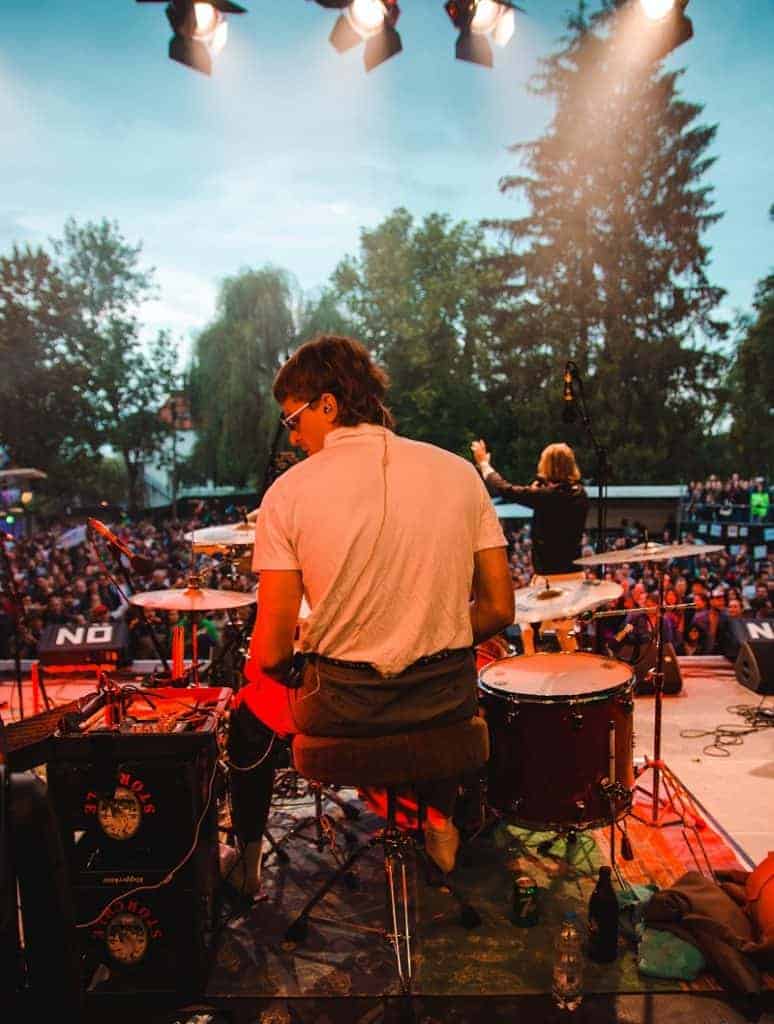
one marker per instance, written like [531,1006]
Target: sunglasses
[288,422]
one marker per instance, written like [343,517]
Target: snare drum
[560,727]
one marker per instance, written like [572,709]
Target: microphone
[569,412]
[140,564]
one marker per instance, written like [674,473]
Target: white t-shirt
[383,530]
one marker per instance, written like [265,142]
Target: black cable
[757,718]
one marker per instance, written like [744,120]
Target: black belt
[428,659]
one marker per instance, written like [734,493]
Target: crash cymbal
[650,552]
[192,599]
[230,535]
[563,600]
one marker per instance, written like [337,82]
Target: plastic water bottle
[567,987]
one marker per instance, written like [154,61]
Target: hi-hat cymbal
[650,552]
[230,535]
[563,600]
[192,599]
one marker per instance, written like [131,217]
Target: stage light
[477,19]
[656,9]
[366,17]
[369,21]
[662,26]
[200,30]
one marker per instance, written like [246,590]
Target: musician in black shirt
[560,504]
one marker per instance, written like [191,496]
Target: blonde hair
[557,464]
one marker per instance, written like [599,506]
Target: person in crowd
[382,654]
[759,502]
[711,622]
[674,620]
[560,504]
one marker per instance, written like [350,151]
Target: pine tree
[752,386]
[608,268]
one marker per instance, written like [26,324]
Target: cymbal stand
[661,773]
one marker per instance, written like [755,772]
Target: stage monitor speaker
[673,680]
[755,663]
[98,643]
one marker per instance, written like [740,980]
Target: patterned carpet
[345,955]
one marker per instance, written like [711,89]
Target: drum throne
[395,764]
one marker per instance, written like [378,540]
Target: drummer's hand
[252,516]
[480,454]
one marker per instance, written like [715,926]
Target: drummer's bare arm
[491,609]
[271,645]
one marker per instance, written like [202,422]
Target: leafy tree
[234,363]
[44,418]
[128,379]
[752,380]
[417,296]
[322,314]
[608,267]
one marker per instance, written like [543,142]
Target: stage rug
[346,954]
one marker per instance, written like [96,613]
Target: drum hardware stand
[660,770]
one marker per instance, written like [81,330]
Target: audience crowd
[83,583]
[67,577]
[734,500]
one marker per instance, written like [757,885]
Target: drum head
[554,676]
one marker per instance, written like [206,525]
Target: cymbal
[650,552]
[192,599]
[563,600]
[230,535]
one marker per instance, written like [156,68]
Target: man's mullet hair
[343,367]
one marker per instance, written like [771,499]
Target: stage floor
[736,790]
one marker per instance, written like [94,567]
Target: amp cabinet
[137,810]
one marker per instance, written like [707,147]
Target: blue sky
[289,148]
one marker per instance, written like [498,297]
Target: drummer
[560,505]
[358,528]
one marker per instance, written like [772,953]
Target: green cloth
[663,955]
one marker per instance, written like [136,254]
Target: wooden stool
[391,763]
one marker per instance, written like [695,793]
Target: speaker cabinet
[138,818]
[754,666]
[673,680]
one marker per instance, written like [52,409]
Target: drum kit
[561,724]
[577,703]
[227,541]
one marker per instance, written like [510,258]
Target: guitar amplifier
[99,643]
[136,804]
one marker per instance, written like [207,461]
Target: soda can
[525,901]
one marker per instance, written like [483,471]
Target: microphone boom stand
[18,622]
[602,464]
[145,621]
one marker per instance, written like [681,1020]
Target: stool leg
[296,931]
[404,974]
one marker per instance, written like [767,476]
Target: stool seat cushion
[425,755]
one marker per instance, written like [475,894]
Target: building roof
[622,492]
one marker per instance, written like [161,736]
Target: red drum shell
[550,718]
